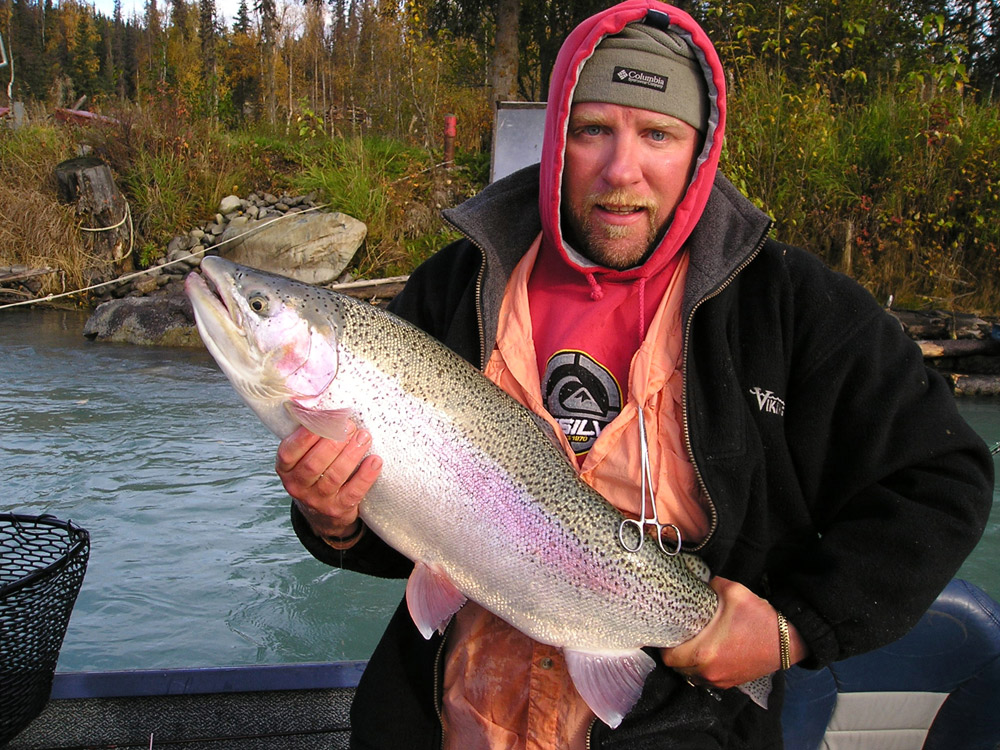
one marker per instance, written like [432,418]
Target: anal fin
[609,682]
[432,599]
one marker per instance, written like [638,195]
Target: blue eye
[658,135]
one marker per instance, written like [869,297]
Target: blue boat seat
[936,688]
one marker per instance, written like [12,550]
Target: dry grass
[36,230]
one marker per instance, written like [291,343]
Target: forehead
[601,113]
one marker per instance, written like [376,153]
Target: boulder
[165,320]
[230,204]
[311,247]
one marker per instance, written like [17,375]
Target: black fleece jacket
[843,484]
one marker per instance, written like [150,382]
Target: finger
[355,488]
[303,481]
[293,448]
[336,463]
[331,508]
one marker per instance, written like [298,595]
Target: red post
[450,130]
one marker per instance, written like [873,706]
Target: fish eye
[258,303]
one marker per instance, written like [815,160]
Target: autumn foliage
[869,133]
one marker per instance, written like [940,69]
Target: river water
[193,560]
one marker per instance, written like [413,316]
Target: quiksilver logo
[639,78]
[582,395]
[767,402]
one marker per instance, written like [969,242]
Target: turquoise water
[983,565]
[193,559]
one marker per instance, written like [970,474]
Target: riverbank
[964,348]
[154,311]
[149,307]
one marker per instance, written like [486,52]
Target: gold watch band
[784,642]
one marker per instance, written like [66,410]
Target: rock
[230,204]
[314,248]
[239,225]
[178,244]
[145,285]
[148,321]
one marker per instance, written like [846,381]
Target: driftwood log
[377,291]
[959,347]
[975,385]
[21,282]
[103,214]
[935,325]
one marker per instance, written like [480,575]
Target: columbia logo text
[767,402]
[640,78]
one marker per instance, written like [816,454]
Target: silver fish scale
[473,486]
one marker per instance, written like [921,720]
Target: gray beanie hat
[647,68]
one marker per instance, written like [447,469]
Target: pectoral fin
[432,599]
[331,423]
[609,682]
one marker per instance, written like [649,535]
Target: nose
[622,167]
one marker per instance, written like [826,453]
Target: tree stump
[105,220]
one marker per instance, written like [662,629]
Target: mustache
[620,197]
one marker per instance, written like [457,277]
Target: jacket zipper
[438,676]
[479,307]
[713,511]
[479,290]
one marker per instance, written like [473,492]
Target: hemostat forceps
[652,520]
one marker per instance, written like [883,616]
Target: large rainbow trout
[473,489]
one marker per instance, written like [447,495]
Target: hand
[740,643]
[327,479]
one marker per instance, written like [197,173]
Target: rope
[131,232]
[129,276]
[113,226]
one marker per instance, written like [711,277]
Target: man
[630,295]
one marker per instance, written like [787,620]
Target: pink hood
[576,50]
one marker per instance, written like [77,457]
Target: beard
[612,245]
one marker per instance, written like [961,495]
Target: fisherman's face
[626,170]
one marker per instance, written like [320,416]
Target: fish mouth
[205,289]
[215,313]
